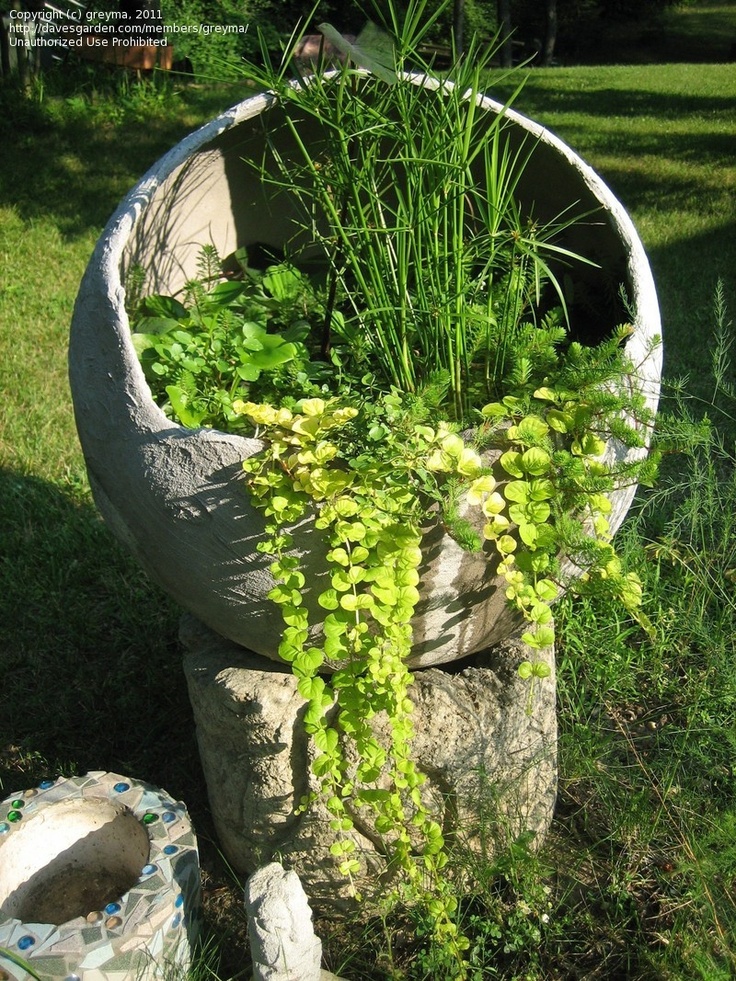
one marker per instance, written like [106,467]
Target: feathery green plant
[412,200]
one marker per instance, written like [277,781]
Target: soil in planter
[70,891]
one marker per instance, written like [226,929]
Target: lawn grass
[687,33]
[638,880]
[663,139]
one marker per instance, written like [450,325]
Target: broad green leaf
[155,326]
[511,463]
[546,394]
[224,293]
[589,445]
[528,534]
[561,422]
[469,463]
[529,431]
[517,490]
[535,461]
[273,356]
[312,407]
[546,590]
[494,410]
[164,306]
[373,50]
[284,282]
[480,486]
[545,636]
[306,663]
[186,412]
[326,740]
[493,505]
[538,511]
[540,613]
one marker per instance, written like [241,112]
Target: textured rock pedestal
[485,738]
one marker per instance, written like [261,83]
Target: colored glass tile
[18,803]
[112,908]
[26,941]
[120,788]
[4,827]
[149,818]
[171,849]
[14,816]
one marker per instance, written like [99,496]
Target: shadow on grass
[72,161]
[541,96]
[91,672]
[91,675]
[89,654]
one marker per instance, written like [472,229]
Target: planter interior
[174,495]
[77,855]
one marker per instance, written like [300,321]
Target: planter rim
[117,415]
[115,235]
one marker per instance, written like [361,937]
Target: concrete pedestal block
[485,739]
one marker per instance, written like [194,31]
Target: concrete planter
[99,881]
[172,495]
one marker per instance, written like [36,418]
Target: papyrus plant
[411,197]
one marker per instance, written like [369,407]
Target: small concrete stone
[284,946]
[484,738]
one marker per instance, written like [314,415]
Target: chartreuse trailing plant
[373,475]
[370,501]
[425,375]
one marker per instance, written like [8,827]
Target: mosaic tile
[155,922]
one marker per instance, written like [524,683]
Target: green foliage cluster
[198,354]
[367,393]
[372,475]
[412,201]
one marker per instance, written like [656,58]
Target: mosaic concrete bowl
[99,881]
[174,496]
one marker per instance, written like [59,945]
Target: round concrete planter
[99,881]
[174,495]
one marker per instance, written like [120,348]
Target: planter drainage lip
[139,934]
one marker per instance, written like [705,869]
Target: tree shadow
[89,654]
[72,160]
